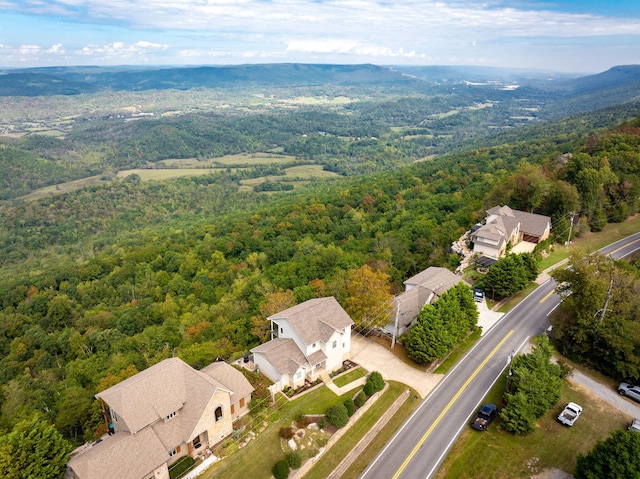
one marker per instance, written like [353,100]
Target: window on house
[313,345]
[242,402]
[281,330]
[218,413]
[233,408]
[173,452]
[196,442]
[335,344]
[172,415]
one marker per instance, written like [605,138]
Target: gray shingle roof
[156,392]
[316,319]
[232,379]
[122,456]
[143,402]
[435,279]
[283,354]
[529,222]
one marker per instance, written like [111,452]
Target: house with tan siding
[161,414]
[504,227]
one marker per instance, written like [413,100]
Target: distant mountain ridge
[558,93]
[75,80]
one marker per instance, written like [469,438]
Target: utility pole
[395,327]
[570,228]
[606,302]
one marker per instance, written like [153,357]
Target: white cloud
[122,50]
[56,49]
[202,31]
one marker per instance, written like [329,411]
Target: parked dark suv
[485,416]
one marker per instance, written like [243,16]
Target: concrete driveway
[374,357]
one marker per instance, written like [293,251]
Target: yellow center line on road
[552,292]
[622,247]
[453,400]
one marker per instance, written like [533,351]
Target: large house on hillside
[161,414]
[422,289]
[506,227]
[307,340]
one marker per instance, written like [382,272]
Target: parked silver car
[628,390]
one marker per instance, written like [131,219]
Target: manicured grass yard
[349,377]
[258,457]
[498,454]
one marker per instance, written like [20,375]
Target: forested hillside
[103,282]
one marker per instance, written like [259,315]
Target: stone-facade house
[505,227]
[159,415]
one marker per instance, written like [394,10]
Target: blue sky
[575,36]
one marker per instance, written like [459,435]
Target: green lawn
[338,452]
[349,377]
[257,458]
[498,454]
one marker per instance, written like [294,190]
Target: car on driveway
[478,295]
[485,416]
[635,425]
[633,392]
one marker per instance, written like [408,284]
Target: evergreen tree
[617,457]
[33,449]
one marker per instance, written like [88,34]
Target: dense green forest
[103,282]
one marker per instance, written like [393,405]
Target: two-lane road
[418,448]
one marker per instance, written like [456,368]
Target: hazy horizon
[562,36]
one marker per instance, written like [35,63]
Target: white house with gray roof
[307,339]
[504,226]
[165,412]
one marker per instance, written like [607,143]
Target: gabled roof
[435,279]
[529,222]
[156,392]
[143,403]
[533,223]
[122,455]
[501,211]
[407,305]
[283,354]
[232,379]
[316,319]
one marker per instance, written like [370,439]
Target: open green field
[296,175]
[498,454]
[243,159]
[65,187]
[166,174]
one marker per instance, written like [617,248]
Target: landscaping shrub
[369,389]
[378,382]
[181,467]
[294,459]
[321,422]
[286,433]
[281,469]
[360,399]
[337,416]
[350,407]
